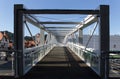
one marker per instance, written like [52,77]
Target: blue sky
[7,6]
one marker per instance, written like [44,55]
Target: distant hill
[29,38]
[10,35]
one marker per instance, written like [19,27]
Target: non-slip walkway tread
[61,63]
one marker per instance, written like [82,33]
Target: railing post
[42,40]
[42,37]
[80,36]
[18,40]
[50,42]
[104,41]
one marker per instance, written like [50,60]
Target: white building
[94,42]
[115,42]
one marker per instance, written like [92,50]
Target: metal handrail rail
[83,56]
[33,48]
[83,48]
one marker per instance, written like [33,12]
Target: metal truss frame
[102,12]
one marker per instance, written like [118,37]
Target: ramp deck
[61,63]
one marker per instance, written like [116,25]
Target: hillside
[10,34]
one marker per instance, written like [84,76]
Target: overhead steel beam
[60,27]
[28,19]
[35,23]
[33,17]
[60,11]
[59,34]
[90,19]
[48,22]
[60,30]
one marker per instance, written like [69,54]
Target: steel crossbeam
[59,11]
[50,22]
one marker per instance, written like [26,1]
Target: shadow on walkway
[61,63]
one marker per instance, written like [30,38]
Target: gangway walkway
[61,63]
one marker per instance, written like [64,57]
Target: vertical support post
[80,36]
[52,39]
[42,37]
[48,39]
[18,40]
[104,41]
[72,39]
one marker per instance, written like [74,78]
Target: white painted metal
[42,37]
[34,55]
[86,22]
[87,55]
[33,22]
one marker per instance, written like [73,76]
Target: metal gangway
[24,59]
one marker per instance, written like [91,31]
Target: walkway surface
[61,63]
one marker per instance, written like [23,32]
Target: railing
[34,55]
[114,64]
[90,57]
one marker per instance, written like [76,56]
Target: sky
[7,9]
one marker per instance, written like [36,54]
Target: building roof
[1,35]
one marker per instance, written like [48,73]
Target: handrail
[34,48]
[87,55]
[83,47]
[34,55]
